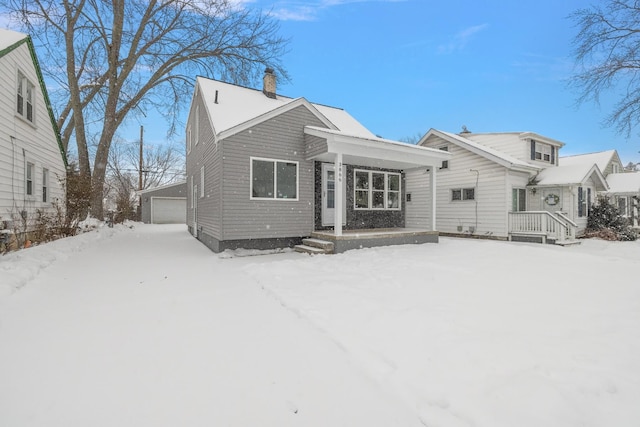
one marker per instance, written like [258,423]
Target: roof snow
[573,174]
[624,182]
[507,160]
[601,159]
[231,105]
[9,38]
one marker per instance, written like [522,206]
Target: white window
[197,124]
[25,98]
[445,163]
[29,179]
[462,194]
[376,190]
[45,185]
[192,192]
[622,205]
[543,152]
[518,200]
[274,179]
[202,182]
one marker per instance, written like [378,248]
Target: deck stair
[315,246]
[542,227]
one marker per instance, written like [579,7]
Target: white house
[511,186]
[623,187]
[32,160]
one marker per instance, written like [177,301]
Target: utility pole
[140,175]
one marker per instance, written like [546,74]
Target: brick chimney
[269,83]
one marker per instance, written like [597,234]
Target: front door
[329,195]
[552,199]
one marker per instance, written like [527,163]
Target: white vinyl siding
[488,213]
[24,142]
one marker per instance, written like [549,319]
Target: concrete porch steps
[315,246]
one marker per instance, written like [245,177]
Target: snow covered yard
[147,327]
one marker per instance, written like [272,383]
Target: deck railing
[554,226]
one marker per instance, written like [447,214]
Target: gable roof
[602,159]
[11,40]
[571,175]
[513,137]
[234,108]
[624,182]
[488,153]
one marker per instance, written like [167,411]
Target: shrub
[606,222]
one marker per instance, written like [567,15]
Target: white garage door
[168,210]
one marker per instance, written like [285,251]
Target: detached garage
[165,205]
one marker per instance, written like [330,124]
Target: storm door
[329,195]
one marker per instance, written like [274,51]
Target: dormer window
[542,152]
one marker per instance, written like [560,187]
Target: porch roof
[373,151]
[571,175]
[624,183]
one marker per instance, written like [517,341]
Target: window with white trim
[518,200]
[273,179]
[376,190]
[543,152]
[445,163]
[29,174]
[45,185]
[202,182]
[197,124]
[192,192]
[463,194]
[25,96]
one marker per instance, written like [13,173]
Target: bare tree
[161,164]
[607,55]
[112,59]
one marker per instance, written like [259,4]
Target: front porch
[542,227]
[330,242]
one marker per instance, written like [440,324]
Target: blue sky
[402,67]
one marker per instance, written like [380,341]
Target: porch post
[432,188]
[337,218]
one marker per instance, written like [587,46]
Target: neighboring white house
[511,186]
[32,160]
[624,187]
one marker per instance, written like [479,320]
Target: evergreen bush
[606,222]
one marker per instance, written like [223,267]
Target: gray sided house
[267,171]
[166,204]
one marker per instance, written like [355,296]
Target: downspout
[475,199]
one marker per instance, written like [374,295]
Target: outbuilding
[166,204]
